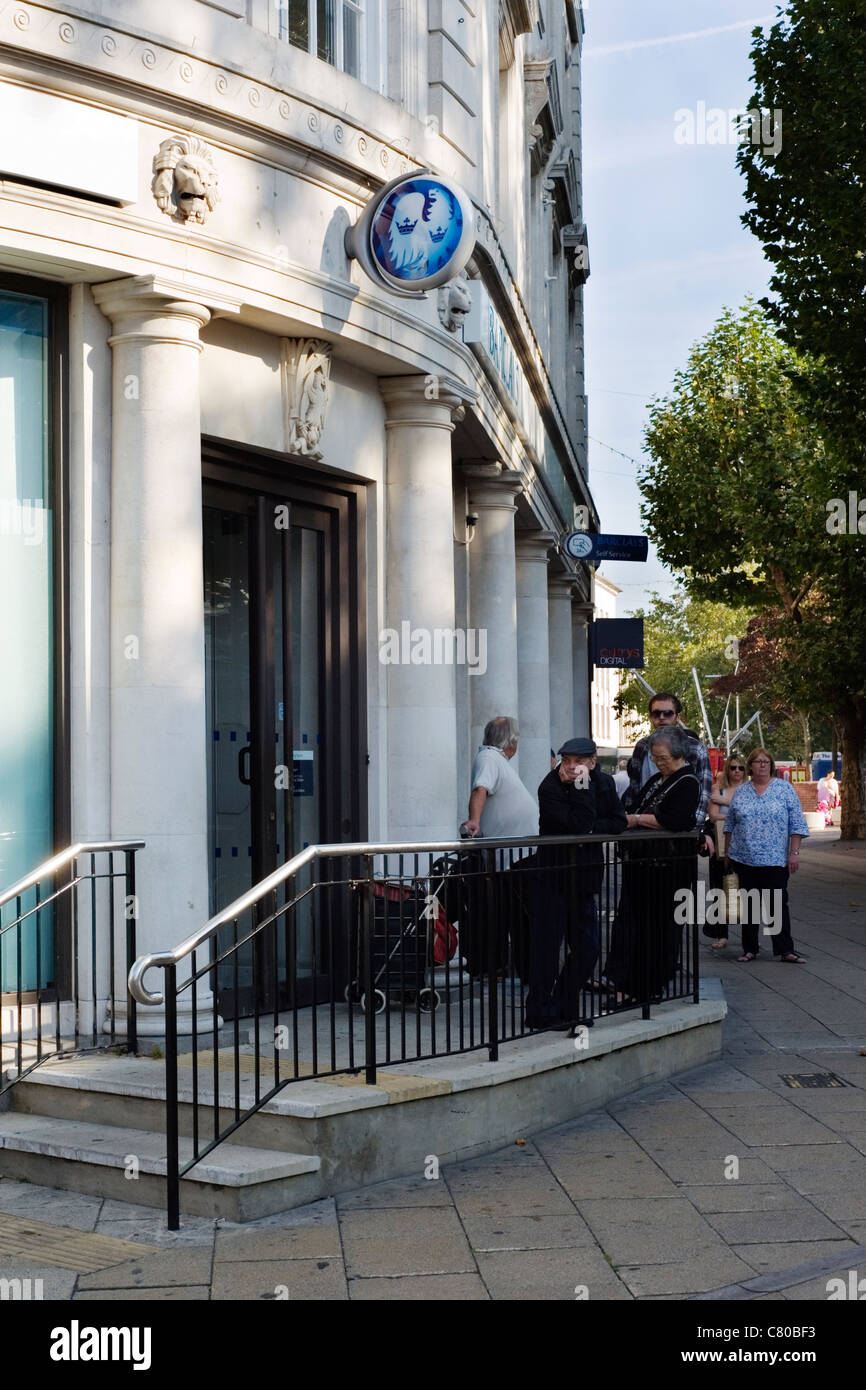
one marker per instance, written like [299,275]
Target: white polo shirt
[509,808]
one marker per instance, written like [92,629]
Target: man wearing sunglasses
[664,712]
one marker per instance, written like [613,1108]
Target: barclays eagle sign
[417,233]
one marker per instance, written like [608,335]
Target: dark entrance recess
[285,682]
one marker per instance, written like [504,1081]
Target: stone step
[234,1181]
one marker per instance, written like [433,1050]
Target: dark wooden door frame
[334,505]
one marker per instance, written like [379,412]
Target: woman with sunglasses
[763,830]
[733,775]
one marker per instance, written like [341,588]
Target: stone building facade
[237,471]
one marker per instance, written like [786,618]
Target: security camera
[471,518]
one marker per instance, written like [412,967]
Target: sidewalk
[727,1182]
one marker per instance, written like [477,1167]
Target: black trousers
[775,881]
[561,917]
[496,914]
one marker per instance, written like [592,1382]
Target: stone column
[533,656]
[157,702]
[419,602]
[559,591]
[492,596]
[580,615]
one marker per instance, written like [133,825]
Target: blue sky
[667,249]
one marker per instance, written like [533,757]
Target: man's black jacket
[569,809]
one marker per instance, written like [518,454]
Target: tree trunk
[853,722]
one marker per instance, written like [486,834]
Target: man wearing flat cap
[575,798]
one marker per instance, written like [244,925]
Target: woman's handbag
[731,890]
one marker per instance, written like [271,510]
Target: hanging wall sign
[416,233]
[618,642]
[585,545]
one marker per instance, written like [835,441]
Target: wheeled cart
[406,920]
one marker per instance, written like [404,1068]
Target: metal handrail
[66,856]
[314,852]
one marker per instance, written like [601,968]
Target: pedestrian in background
[664,712]
[763,830]
[733,775]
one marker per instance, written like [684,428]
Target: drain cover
[814,1079]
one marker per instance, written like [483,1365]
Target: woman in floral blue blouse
[763,830]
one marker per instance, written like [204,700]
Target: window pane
[351,40]
[298,24]
[325,26]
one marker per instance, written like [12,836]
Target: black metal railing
[341,962]
[67,944]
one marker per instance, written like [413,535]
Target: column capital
[533,546]
[152,307]
[431,400]
[490,485]
[560,586]
[582,612]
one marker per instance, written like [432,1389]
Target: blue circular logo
[579,545]
[417,230]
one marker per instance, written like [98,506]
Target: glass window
[337,31]
[351,38]
[26,613]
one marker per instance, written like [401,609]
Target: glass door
[272,626]
[27,711]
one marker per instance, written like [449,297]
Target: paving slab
[766,1227]
[47,1282]
[47,1204]
[310,1241]
[420,1241]
[180,1294]
[153,1271]
[695,1274]
[406,1192]
[551,1276]
[292,1281]
[486,1233]
[746,1197]
[425,1288]
[776,1257]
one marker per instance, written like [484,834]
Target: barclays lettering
[501,354]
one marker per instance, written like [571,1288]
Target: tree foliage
[807,201]
[737,499]
[681,633]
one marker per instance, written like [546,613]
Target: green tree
[807,195]
[807,206]
[681,633]
[737,500]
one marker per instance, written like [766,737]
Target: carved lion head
[185,181]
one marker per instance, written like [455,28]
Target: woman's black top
[672,800]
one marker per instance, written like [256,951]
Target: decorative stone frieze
[305,365]
[185,181]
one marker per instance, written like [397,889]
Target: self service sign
[618,642]
[583,545]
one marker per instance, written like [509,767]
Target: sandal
[791,958]
[720,945]
[748,956]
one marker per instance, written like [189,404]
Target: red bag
[444,939]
